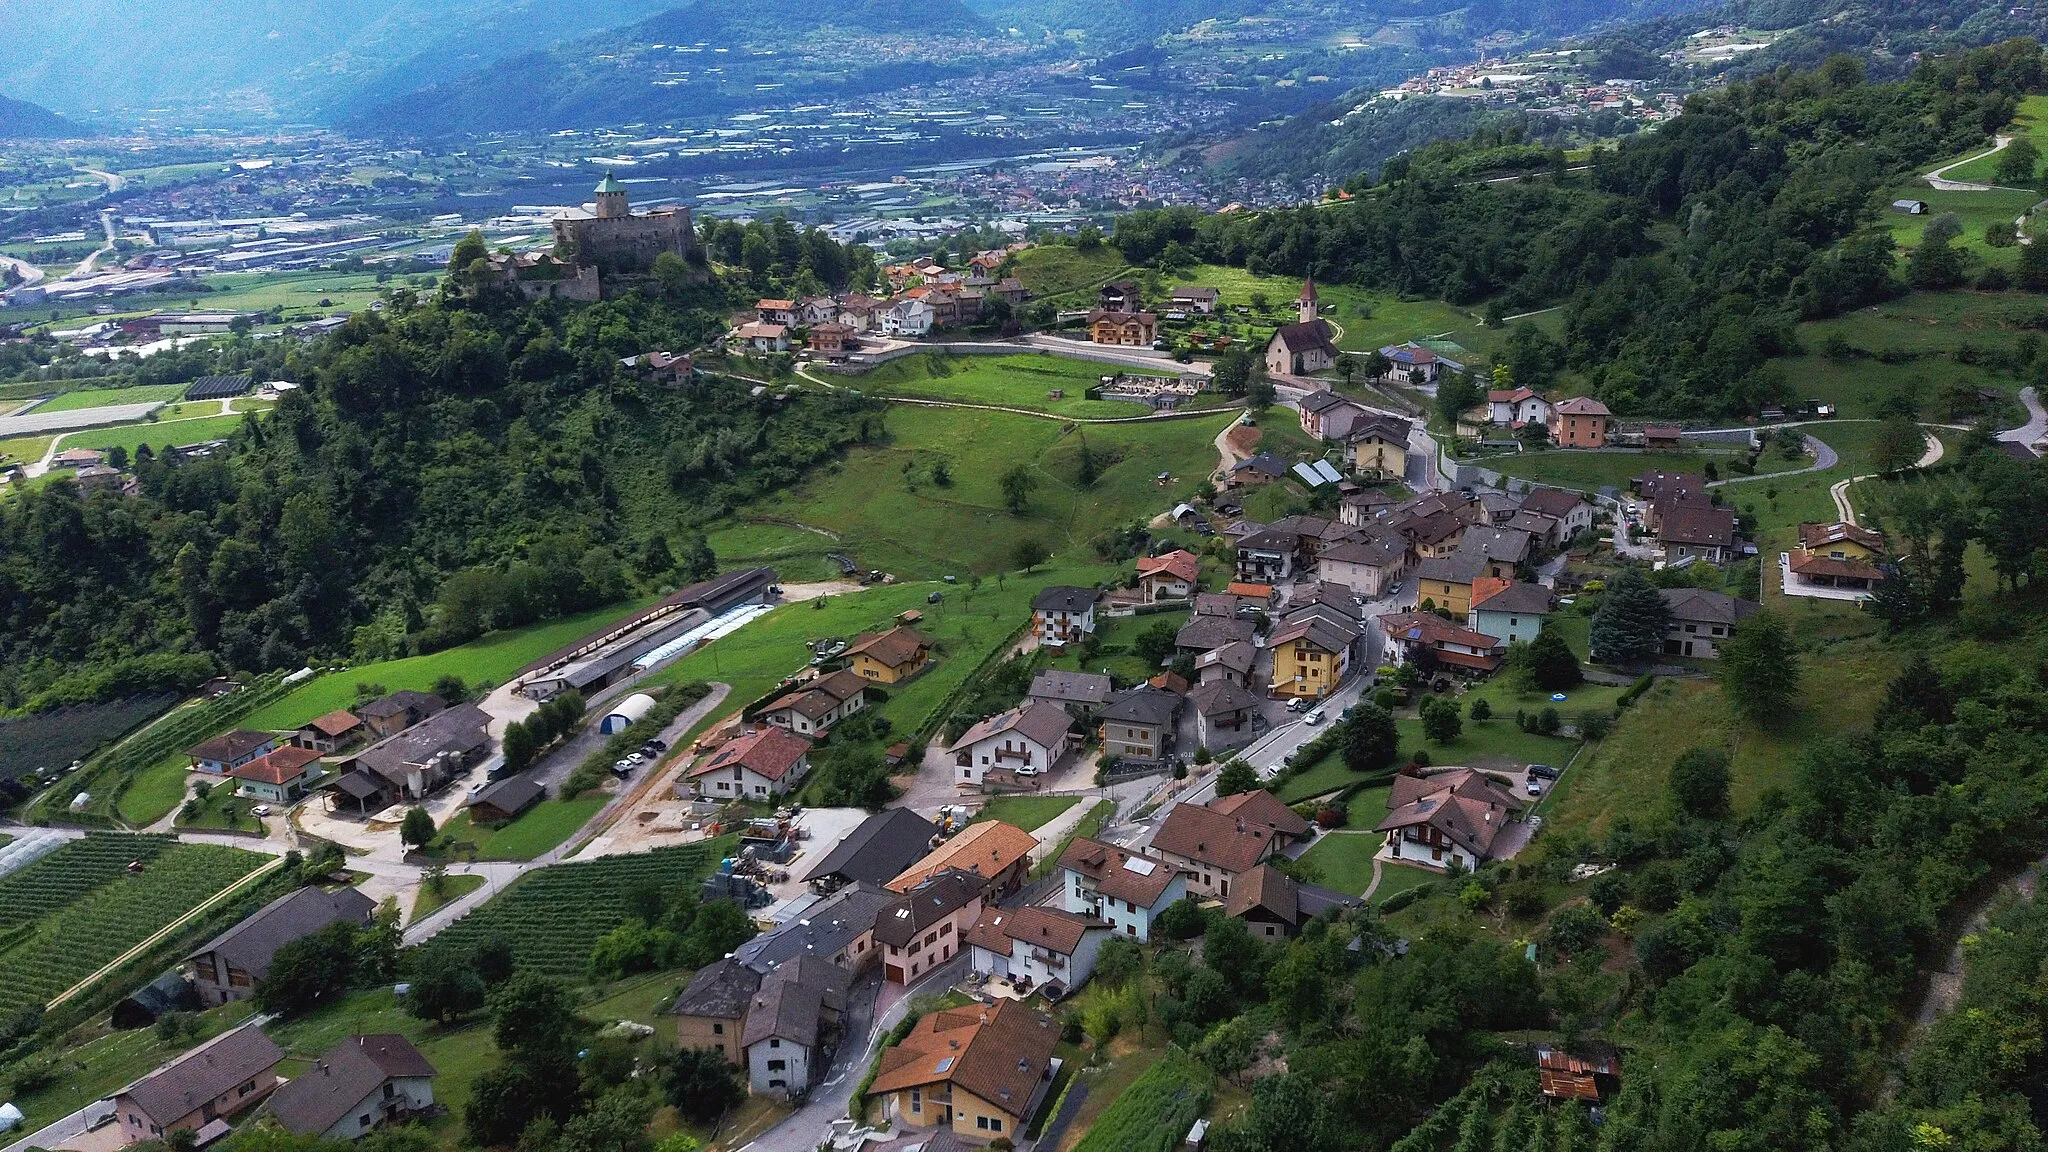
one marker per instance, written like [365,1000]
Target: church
[610,238]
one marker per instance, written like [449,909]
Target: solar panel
[1141,867]
[1308,475]
[1328,473]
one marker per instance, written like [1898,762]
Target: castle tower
[1305,305]
[611,199]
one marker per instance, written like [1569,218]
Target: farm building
[626,713]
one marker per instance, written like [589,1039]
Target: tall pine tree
[1630,626]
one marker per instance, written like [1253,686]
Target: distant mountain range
[21,120]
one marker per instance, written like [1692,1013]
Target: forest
[454,465]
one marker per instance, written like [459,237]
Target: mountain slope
[21,120]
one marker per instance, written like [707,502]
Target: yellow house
[887,657]
[1310,657]
[1446,582]
[1841,541]
[978,1071]
[1379,447]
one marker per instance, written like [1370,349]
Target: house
[1194,298]
[908,316]
[1570,509]
[1328,416]
[1508,610]
[1414,364]
[1274,905]
[1516,408]
[1368,567]
[1446,581]
[1700,530]
[997,852]
[832,339]
[419,760]
[1062,614]
[1435,644]
[1118,296]
[357,1085]
[861,313]
[878,849]
[1078,694]
[790,1019]
[925,926]
[1250,594]
[1563,1076]
[1026,740]
[1363,506]
[1701,621]
[1208,633]
[1168,577]
[1268,556]
[762,336]
[227,967]
[979,1072]
[1127,329]
[1663,491]
[814,310]
[1011,291]
[712,1009]
[666,367]
[813,708]
[1138,724]
[1127,890]
[232,1072]
[1501,550]
[1224,712]
[78,458]
[328,733]
[1301,349]
[1839,555]
[1580,422]
[1049,949]
[1661,437]
[1494,508]
[279,776]
[775,311]
[1232,663]
[1449,817]
[401,710]
[1211,848]
[839,929]
[504,801]
[1379,446]
[765,762]
[1265,808]
[1430,536]
[227,752]
[1311,656]
[890,657]
[170,992]
[1263,468]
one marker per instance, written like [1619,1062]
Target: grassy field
[1118,635]
[1010,381]
[967,625]
[453,888]
[795,554]
[156,434]
[1026,812]
[1345,858]
[492,660]
[101,1066]
[1392,319]
[107,397]
[890,514]
[24,450]
[1587,471]
[1055,270]
[1911,344]
[295,292]
[1975,211]
[537,830]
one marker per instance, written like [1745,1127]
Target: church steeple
[1306,303]
[611,198]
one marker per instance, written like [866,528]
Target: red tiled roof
[769,752]
[279,767]
[1179,563]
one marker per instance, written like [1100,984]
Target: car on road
[1543,771]
[1314,718]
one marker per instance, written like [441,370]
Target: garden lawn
[969,624]
[24,450]
[491,659]
[1119,637]
[1345,857]
[156,434]
[102,1066]
[1026,812]
[889,514]
[1587,471]
[1011,381]
[537,830]
[108,397]
[453,888]
[459,1054]
[1396,878]
[221,808]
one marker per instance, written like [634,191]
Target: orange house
[1580,422]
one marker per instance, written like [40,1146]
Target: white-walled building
[1122,888]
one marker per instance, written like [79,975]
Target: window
[718,1029]
[917,1099]
[777,1065]
[946,929]
[362,1121]
[775,1043]
[981,1122]
[994,1124]
[390,1090]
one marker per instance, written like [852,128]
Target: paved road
[1824,458]
[2036,427]
[1939,182]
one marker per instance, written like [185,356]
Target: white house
[1122,888]
[763,336]
[907,317]
[1512,613]
[1039,945]
[754,765]
[1367,567]
[359,1084]
[1451,817]
[1026,740]
[814,707]
[1515,407]
[1062,614]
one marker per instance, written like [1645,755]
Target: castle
[613,240]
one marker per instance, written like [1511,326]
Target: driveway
[2036,427]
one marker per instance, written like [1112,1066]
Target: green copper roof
[609,185]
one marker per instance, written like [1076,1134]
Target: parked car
[1298,704]
[1543,771]
[623,766]
[260,810]
[1535,786]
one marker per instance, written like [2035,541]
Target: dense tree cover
[450,467]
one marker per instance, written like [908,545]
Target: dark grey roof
[783,1009]
[926,905]
[1144,705]
[1700,605]
[1265,462]
[721,989]
[1527,598]
[1208,632]
[181,1087]
[1551,502]
[361,785]
[879,849]
[169,992]
[1381,553]
[1459,567]
[1074,687]
[1064,598]
[460,729]
[512,795]
[400,701]
[324,1094]
[829,925]
[250,944]
[1322,400]
[232,745]
[1510,545]
[1220,697]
